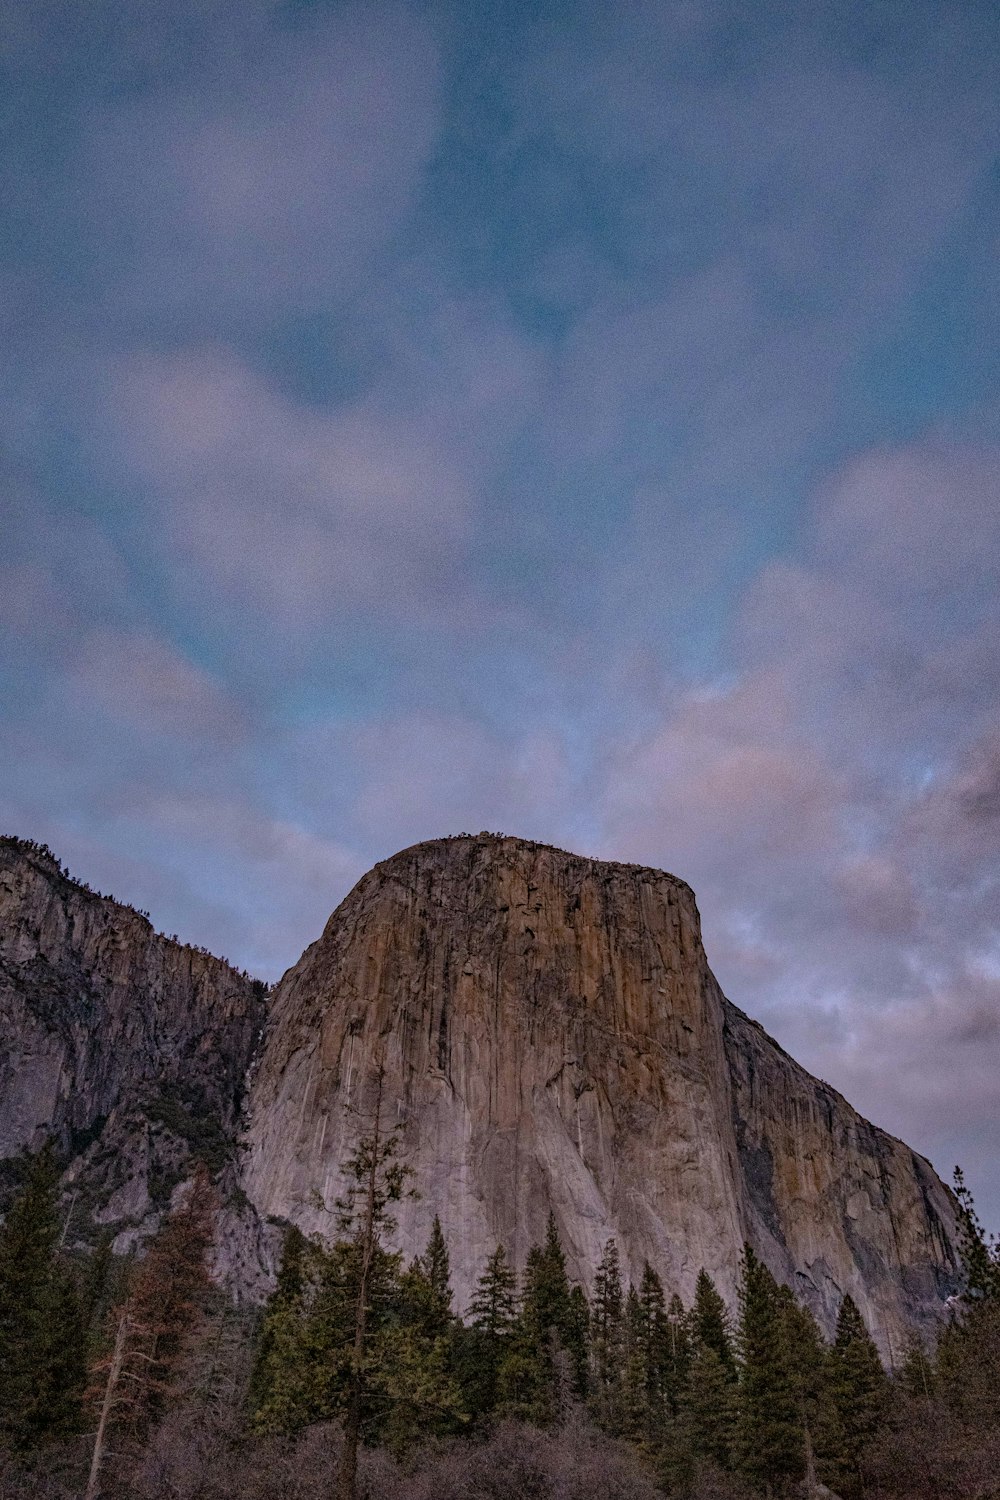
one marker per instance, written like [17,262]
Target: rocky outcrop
[552,1037]
[129,1048]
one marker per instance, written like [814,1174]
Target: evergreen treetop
[709,1321]
[860,1390]
[980,1257]
[493,1309]
[769,1435]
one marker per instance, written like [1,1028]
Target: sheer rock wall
[552,1036]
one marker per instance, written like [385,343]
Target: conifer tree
[980,1258]
[376,1181]
[655,1335]
[494,1306]
[493,1313]
[709,1407]
[414,1368]
[309,1375]
[97,1286]
[678,1352]
[917,1374]
[578,1341]
[283,1305]
[355,1336]
[860,1390]
[412,1381]
[41,1329]
[634,1390]
[707,1389]
[709,1322]
[607,1340]
[810,1370]
[968,1352]
[438,1270]
[769,1435]
[531,1374]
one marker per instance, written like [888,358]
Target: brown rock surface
[552,1036]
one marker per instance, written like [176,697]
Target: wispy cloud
[589,434]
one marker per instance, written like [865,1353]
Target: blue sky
[577,420]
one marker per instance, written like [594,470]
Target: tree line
[138,1378]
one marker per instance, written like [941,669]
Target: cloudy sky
[574,419]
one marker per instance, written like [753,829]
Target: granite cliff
[551,1036]
[128,1048]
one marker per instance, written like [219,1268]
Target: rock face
[552,1037]
[127,1047]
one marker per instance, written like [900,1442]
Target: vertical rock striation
[552,1036]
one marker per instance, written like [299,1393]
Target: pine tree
[709,1407]
[634,1393]
[310,1369]
[376,1181]
[493,1313]
[41,1327]
[412,1380]
[531,1375]
[607,1341]
[438,1270]
[678,1352]
[577,1337]
[494,1306]
[809,1362]
[917,1374]
[980,1258]
[968,1353]
[656,1354]
[97,1287]
[769,1435]
[284,1303]
[414,1367]
[860,1391]
[709,1322]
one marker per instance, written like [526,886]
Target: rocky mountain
[550,1036]
[127,1047]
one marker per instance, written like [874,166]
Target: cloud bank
[578,425]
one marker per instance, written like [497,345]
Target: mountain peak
[552,1038]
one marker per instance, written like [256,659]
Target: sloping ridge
[129,1048]
[552,1037]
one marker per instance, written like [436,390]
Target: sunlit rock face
[127,1048]
[552,1037]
